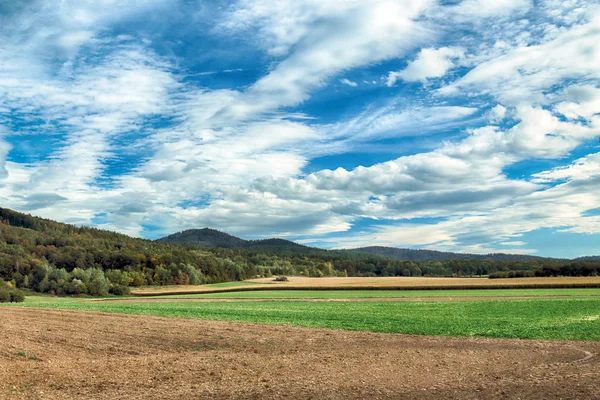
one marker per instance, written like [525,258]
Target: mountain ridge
[210,238]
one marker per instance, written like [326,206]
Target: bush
[119,290]
[8,294]
[17,296]
[281,278]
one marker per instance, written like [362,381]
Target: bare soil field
[53,354]
[357,282]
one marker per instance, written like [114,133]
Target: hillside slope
[212,238]
[433,255]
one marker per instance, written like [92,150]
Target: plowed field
[58,354]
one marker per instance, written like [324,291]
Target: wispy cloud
[153,126]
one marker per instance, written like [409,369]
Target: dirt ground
[55,354]
[392,281]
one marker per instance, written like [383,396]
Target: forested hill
[432,255]
[212,238]
[48,256]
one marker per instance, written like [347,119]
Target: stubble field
[360,282]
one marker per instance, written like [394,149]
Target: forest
[51,257]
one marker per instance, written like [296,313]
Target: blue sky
[467,126]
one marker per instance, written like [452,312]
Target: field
[377,343]
[73,354]
[356,283]
[574,316]
[386,294]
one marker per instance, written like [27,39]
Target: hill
[48,256]
[205,238]
[433,255]
[212,238]
[588,258]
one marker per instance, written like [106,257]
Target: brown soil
[383,282]
[52,354]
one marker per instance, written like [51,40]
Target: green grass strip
[559,319]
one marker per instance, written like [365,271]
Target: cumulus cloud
[429,63]
[497,114]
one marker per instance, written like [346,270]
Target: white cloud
[583,102]
[497,114]
[525,73]
[349,35]
[429,63]
[235,158]
[485,8]
[348,82]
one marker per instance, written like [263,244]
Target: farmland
[338,283]
[574,317]
[383,294]
[301,343]
[49,353]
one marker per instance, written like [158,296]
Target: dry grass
[383,282]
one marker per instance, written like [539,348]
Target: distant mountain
[211,238]
[433,255]
[206,238]
[588,258]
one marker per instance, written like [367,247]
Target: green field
[355,294]
[568,318]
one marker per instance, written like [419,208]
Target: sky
[469,126]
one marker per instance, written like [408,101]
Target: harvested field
[179,299]
[56,354]
[382,294]
[422,281]
[357,283]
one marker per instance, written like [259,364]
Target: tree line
[51,257]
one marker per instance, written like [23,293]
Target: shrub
[281,278]
[119,290]
[17,296]
[76,287]
[9,294]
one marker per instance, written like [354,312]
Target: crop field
[570,318]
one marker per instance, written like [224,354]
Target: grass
[354,294]
[561,319]
[28,356]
